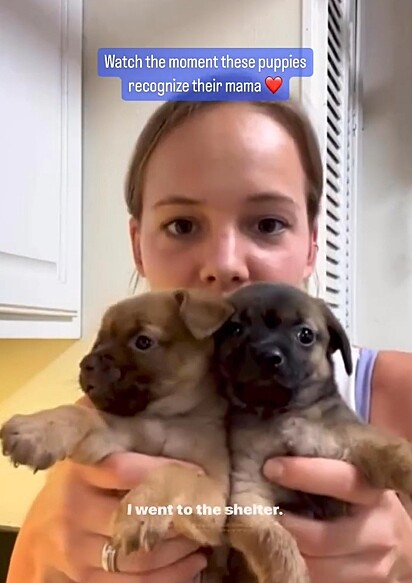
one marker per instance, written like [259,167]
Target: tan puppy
[276,353]
[149,375]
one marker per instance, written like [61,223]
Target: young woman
[222,194]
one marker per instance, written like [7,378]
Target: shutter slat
[333,169]
[334,6]
[335,15]
[336,64]
[334,41]
[333,152]
[332,300]
[333,186]
[333,215]
[333,127]
[335,81]
[334,28]
[332,271]
[333,228]
[333,242]
[333,97]
[334,113]
[333,140]
[333,198]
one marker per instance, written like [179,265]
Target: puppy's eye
[233,328]
[306,336]
[143,342]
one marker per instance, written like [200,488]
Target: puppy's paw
[291,432]
[386,466]
[134,530]
[205,529]
[133,533]
[27,440]
[269,550]
[300,437]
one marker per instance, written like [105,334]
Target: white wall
[111,125]
[384,271]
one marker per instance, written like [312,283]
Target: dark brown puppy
[276,353]
[149,375]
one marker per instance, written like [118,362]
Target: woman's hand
[64,533]
[374,545]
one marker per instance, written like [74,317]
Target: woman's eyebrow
[271,197]
[176,199]
[260,197]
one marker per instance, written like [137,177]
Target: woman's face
[224,205]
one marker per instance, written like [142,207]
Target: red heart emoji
[273,83]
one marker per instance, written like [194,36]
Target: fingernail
[274,469]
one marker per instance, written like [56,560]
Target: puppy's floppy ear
[338,339]
[202,314]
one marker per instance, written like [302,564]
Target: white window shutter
[335,119]
[339,158]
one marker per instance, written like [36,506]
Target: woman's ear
[134,231]
[312,251]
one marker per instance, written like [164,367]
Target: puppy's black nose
[276,357]
[269,358]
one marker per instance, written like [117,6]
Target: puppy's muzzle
[113,385]
[97,369]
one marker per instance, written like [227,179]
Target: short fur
[149,375]
[276,354]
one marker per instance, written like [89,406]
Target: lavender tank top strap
[356,388]
[363,378]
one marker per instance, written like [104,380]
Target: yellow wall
[34,374]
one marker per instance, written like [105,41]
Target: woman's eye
[306,336]
[270,226]
[180,227]
[143,342]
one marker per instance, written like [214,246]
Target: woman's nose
[224,265]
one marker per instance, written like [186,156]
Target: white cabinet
[40,168]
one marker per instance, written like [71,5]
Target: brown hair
[172,113]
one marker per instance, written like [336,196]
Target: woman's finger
[182,571]
[80,553]
[165,553]
[95,508]
[328,477]
[370,530]
[123,471]
[98,517]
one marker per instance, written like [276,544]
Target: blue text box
[205,74]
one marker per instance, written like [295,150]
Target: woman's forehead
[226,147]
[229,129]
